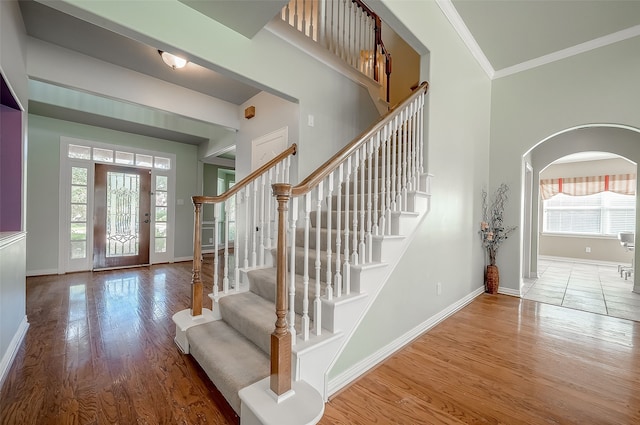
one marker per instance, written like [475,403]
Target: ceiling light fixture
[172,61]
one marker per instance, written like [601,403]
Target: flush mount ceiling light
[172,61]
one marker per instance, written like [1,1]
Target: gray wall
[44,172]
[272,113]
[601,86]
[342,108]
[446,248]
[12,255]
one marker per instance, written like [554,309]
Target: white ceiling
[505,36]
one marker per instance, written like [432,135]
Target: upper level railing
[353,196]
[252,199]
[347,28]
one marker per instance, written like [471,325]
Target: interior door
[121,216]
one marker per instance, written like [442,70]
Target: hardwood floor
[502,360]
[100,350]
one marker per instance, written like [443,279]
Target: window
[604,213]
[78,219]
[160,234]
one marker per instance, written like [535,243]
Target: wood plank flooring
[100,350]
[502,360]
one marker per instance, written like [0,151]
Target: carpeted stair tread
[312,237]
[231,361]
[251,315]
[263,283]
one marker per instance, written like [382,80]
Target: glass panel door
[122,212]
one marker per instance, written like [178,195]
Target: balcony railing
[347,28]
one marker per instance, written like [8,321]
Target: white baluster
[292,265]
[317,311]
[421,136]
[388,182]
[216,236]
[286,169]
[412,150]
[304,17]
[261,206]
[236,248]
[394,160]
[247,225]
[362,248]
[350,34]
[402,167]
[376,196]
[354,212]
[369,147]
[341,43]
[346,267]
[328,286]
[270,207]
[384,194]
[337,281]
[225,264]
[285,13]
[305,267]
[254,224]
[311,16]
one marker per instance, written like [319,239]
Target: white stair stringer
[312,359]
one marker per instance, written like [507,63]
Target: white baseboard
[359,369]
[12,349]
[509,291]
[578,260]
[43,272]
[181,259]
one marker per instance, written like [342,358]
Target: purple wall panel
[10,169]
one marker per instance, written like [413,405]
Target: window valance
[624,184]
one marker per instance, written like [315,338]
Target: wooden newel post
[196,281]
[281,338]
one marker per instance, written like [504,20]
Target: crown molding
[570,51]
[452,15]
[458,24]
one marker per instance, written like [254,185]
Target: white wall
[447,247]
[601,86]
[13,320]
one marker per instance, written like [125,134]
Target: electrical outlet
[439,288]
[587,249]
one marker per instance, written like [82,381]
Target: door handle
[147,220]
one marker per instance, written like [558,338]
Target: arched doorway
[614,142]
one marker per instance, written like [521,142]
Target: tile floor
[588,287]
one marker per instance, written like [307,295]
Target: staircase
[341,232]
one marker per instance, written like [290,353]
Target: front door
[121,216]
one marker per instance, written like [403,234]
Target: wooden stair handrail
[321,172]
[198,199]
